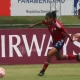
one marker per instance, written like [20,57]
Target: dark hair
[54,14]
[51,14]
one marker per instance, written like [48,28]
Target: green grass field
[34,19]
[54,72]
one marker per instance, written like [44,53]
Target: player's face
[48,19]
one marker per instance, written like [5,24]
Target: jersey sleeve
[60,26]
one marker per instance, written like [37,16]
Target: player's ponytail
[54,14]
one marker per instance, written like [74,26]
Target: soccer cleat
[78,57]
[41,73]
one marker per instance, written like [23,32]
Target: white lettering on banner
[48,46]
[35,41]
[65,47]
[12,46]
[3,45]
[28,47]
[76,43]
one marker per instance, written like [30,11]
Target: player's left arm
[67,34]
[61,27]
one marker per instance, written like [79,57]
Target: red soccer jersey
[56,30]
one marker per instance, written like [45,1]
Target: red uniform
[56,30]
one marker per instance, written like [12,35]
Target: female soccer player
[59,34]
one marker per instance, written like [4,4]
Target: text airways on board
[22,45]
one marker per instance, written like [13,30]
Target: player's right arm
[39,23]
[32,25]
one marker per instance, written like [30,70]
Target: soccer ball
[2,72]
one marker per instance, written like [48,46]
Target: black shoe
[78,57]
[41,73]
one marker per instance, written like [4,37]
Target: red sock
[45,66]
[69,57]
